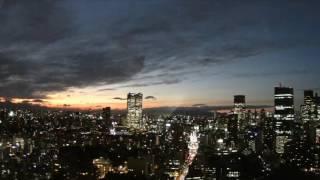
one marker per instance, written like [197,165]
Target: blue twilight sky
[91,53]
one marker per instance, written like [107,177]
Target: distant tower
[317,136]
[240,106]
[284,116]
[317,110]
[134,116]
[236,120]
[106,114]
[284,103]
[309,108]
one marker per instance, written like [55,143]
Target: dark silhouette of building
[106,114]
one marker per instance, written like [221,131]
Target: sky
[91,53]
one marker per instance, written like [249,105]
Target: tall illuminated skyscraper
[236,120]
[284,103]
[284,116]
[240,106]
[309,110]
[134,116]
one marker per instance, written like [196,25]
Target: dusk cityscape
[159,89]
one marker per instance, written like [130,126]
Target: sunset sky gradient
[91,53]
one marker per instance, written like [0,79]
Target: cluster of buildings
[310,110]
[282,121]
[241,144]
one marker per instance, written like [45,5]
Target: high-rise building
[134,106]
[284,103]
[240,112]
[240,106]
[310,108]
[106,114]
[268,133]
[284,116]
[236,119]
[317,136]
[317,102]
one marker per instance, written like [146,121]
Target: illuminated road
[193,146]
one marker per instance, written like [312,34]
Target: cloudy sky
[91,53]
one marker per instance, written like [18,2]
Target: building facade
[106,114]
[240,106]
[134,107]
[284,116]
[310,108]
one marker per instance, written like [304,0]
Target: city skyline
[159,89]
[88,55]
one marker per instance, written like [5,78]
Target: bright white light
[113,131]
[11,114]
[220,141]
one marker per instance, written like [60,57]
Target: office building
[317,102]
[284,103]
[310,108]
[283,116]
[134,107]
[240,106]
[106,114]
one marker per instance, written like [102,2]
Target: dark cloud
[38,101]
[41,52]
[107,89]
[26,102]
[51,45]
[66,105]
[166,82]
[273,74]
[119,98]
[22,105]
[150,98]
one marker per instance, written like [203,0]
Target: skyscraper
[309,107]
[317,102]
[134,116]
[106,114]
[240,106]
[317,136]
[309,110]
[284,116]
[236,120]
[240,112]
[284,103]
